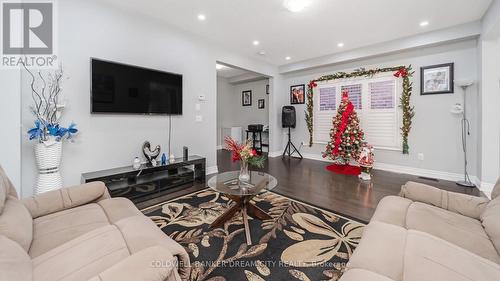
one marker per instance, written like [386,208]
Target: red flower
[253,153]
[312,84]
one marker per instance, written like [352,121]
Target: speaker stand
[288,148]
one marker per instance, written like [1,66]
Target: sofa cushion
[6,189]
[428,258]
[150,235]
[460,230]
[16,223]
[119,208]
[392,210]
[15,264]
[58,228]
[491,222]
[82,258]
[381,250]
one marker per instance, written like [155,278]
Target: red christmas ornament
[402,72]
[312,84]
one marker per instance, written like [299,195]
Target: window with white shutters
[354,95]
[375,100]
[326,103]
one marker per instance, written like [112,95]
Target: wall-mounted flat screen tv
[121,88]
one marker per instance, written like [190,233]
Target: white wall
[10,114]
[435,131]
[230,111]
[91,29]
[489,170]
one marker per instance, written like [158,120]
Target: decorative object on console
[404,72]
[465,128]
[47,109]
[136,164]
[246,98]
[150,155]
[437,79]
[297,94]
[171,158]
[185,153]
[163,159]
[246,155]
[366,159]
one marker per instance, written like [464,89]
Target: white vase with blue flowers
[49,134]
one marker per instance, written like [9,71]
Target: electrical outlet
[421,156]
[199,118]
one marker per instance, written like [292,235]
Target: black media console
[149,182]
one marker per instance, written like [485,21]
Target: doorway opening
[242,111]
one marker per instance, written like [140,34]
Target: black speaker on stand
[288,120]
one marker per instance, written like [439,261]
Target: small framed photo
[261,103]
[267,89]
[437,79]
[297,94]
[246,98]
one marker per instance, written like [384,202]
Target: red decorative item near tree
[346,135]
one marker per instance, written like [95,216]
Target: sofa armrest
[463,204]
[151,264]
[65,198]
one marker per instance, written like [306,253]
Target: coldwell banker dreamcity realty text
[28,34]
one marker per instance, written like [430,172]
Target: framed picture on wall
[297,94]
[437,79]
[267,89]
[261,103]
[246,98]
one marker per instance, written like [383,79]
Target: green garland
[405,72]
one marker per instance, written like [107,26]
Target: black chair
[256,131]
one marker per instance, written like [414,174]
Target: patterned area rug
[301,242]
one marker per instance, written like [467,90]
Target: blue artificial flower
[54,130]
[37,132]
[71,130]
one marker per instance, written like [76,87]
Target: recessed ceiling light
[424,23]
[219,66]
[340,45]
[262,53]
[256,43]
[296,5]
[202,17]
[288,58]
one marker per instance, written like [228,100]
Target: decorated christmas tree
[346,136]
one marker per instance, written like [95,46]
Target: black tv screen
[120,88]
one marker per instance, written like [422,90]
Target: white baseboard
[211,170]
[219,147]
[273,154]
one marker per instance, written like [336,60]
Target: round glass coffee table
[241,193]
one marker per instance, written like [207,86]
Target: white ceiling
[313,32]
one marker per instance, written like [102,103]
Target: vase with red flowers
[244,153]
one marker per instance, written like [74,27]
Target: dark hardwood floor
[308,181]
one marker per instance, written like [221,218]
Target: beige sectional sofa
[80,233]
[430,234]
